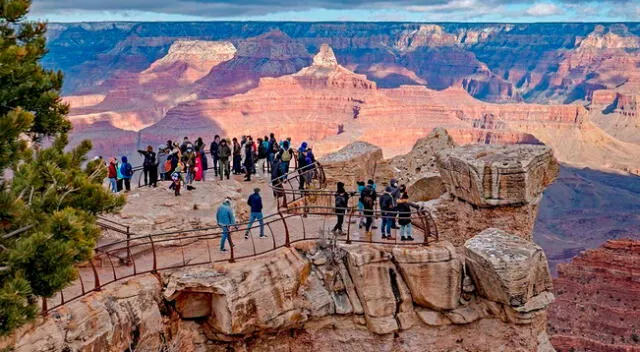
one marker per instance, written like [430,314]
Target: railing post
[128,249]
[96,277]
[153,250]
[232,252]
[287,242]
[349,226]
[45,308]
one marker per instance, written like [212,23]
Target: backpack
[128,170]
[149,159]
[341,201]
[368,197]
[286,155]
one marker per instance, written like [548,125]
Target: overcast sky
[338,10]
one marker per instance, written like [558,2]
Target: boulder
[250,296]
[433,274]
[507,269]
[490,175]
[357,161]
[380,287]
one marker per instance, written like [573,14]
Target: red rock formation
[597,304]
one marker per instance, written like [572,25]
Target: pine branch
[18,231]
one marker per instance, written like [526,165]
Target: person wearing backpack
[127,172]
[149,166]
[404,217]
[286,154]
[303,170]
[368,199]
[387,212]
[341,204]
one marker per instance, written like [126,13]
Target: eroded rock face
[126,315]
[509,270]
[598,299]
[357,161]
[497,174]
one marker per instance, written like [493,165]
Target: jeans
[261,166]
[368,214]
[385,227]
[237,164]
[225,236]
[113,184]
[253,217]
[224,168]
[340,216]
[215,163]
[406,230]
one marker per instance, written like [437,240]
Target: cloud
[544,10]
[221,9]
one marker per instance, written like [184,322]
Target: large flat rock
[507,269]
[490,175]
[433,274]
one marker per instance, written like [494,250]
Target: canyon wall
[598,300]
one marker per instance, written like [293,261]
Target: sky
[338,10]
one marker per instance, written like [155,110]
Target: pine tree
[49,201]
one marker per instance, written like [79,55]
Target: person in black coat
[404,217]
[341,203]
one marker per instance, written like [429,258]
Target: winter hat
[388,189]
[303,146]
[256,190]
[285,144]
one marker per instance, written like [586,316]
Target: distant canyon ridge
[571,86]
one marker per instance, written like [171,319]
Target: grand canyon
[413,90]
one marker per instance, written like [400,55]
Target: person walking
[213,149]
[387,212]
[176,178]
[127,172]
[404,217]
[341,205]
[189,160]
[225,219]
[255,203]
[113,175]
[368,199]
[224,152]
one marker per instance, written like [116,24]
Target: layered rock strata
[598,300]
[358,297]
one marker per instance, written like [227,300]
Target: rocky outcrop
[122,317]
[360,296]
[357,161]
[497,175]
[491,186]
[598,300]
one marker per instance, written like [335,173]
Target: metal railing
[149,253]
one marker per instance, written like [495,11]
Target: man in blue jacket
[225,219]
[255,203]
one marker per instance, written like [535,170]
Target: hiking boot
[263,237]
[246,236]
[223,250]
[403,238]
[410,238]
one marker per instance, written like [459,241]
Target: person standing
[404,217]
[148,165]
[262,156]
[255,203]
[286,154]
[161,162]
[248,158]
[225,219]
[395,194]
[237,157]
[224,152]
[368,199]
[204,164]
[113,175]
[302,165]
[127,172]
[387,213]
[341,204]
[213,149]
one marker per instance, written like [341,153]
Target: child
[176,177]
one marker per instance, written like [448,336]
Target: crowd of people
[188,162]
[395,209]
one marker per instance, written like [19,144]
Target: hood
[124,159]
[226,202]
[393,181]
[303,147]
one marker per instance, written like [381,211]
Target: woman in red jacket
[113,175]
